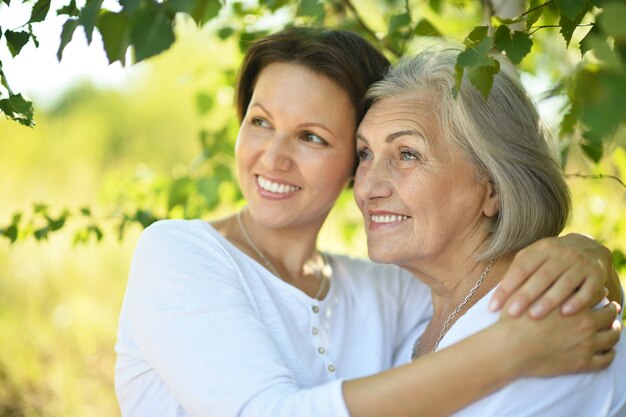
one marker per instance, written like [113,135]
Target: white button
[315,330]
[331,368]
[321,350]
[316,309]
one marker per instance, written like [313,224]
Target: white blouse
[207,331]
[600,394]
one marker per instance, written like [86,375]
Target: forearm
[440,383]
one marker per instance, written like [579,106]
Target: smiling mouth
[275,187]
[388,218]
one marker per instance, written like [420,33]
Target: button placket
[316,329]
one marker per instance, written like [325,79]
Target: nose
[276,155]
[371,182]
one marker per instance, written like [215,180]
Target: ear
[491,205]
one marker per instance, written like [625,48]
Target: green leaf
[569,25]
[516,47]
[613,20]
[129,6]
[89,16]
[481,77]
[532,17]
[42,233]
[571,8]
[8,2]
[594,33]
[151,32]
[40,208]
[16,41]
[86,211]
[603,52]
[435,5]
[601,94]
[205,10]
[592,147]
[93,229]
[425,28]
[184,6]
[476,55]
[32,36]
[39,12]
[312,8]
[11,231]
[398,22]
[225,32]
[144,217]
[114,30]
[67,33]
[18,109]
[70,10]
[521,45]
[476,36]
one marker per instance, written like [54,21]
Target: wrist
[514,357]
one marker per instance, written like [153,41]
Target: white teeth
[388,218]
[275,187]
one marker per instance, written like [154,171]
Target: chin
[380,256]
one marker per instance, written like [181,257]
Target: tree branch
[596,177]
[369,30]
[536,7]
[556,26]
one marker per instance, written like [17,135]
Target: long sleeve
[190,318]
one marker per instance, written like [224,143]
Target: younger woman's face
[295,148]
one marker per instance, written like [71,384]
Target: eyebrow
[262,108]
[395,135]
[301,125]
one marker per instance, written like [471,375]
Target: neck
[290,250]
[451,281]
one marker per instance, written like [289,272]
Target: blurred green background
[171,122]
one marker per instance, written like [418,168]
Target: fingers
[590,293]
[601,361]
[607,339]
[560,289]
[604,317]
[525,263]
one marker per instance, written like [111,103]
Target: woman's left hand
[571,272]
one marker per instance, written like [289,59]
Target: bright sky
[36,72]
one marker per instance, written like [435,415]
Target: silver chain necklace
[472,291]
[318,273]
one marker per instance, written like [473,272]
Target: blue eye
[313,138]
[409,155]
[363,154]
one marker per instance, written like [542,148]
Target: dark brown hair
[342,56]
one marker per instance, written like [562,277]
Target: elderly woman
[451,189]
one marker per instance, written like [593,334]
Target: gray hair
[503,137]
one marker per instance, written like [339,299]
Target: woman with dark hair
[244,316]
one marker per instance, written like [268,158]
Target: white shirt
[600,394]
[207,331]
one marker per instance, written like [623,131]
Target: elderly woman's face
[419,197]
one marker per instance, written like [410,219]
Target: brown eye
[259,122]
[313,138]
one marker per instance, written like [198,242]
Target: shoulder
[172,238]
[184,246]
